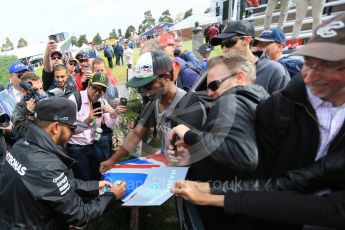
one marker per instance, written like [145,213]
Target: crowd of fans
[262,134]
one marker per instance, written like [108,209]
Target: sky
[34,20]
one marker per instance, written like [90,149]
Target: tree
[148,23]
[140,29]
[166,17]
[97,39]
[74,41]
[7,46]
[113,34]
[129,31]
[22,43]
[82,40]
[188,13]
[207,10]
[5,63]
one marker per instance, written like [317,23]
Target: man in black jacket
[225,145]
[300,125]
[36,191]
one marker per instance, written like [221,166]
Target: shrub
[5,62]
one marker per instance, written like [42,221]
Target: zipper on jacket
[310,114]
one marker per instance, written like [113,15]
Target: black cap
[58,109]
[204,49]
[244,28]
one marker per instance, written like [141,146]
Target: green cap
[100,79]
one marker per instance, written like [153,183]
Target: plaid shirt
[330,119]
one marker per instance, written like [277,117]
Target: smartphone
[123,101]
[53,37]
[173,143]
[96,105]
[87,68]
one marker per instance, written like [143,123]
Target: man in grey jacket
[238,37]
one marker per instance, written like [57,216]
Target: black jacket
[297,146]
[226,145]
[288,137]
[293,207]
[36,191]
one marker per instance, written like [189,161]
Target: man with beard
[37,191]
[154,79]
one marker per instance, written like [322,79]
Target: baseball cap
[59,109]
[204,49]
[167,39]
[244,28]
[149,66]
[100,79]
[327,42]
[17,67]
[272,35]
[56,52]
[79,55]
[73,60]
[83,56]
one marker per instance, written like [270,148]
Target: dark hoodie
[227,140]
[36,191]
[225,146]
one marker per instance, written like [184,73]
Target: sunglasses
[72,63]
[82,60]
[55,58]
[231,42]
[98,90]
[214,85]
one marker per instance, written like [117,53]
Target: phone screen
[53,37]
[123,101]
[96,104]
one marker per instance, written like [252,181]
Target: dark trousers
[110,61]
[118,57]
[104,146]
[87,161]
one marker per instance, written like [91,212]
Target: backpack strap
[282,114]
[77,99]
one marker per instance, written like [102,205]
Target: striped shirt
[330,120]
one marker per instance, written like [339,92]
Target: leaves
[113,34]
[188,13]
[7,46]
[148,23]
[166,17]
[5,62]
[82,40]
[22,43]
[129,31]
[97,39]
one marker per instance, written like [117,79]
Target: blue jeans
[104,146]
[87,162]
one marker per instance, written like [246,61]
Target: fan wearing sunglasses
[227,140]
[238,37]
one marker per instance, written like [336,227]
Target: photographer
[10,97]
[23,113]
[51,58]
